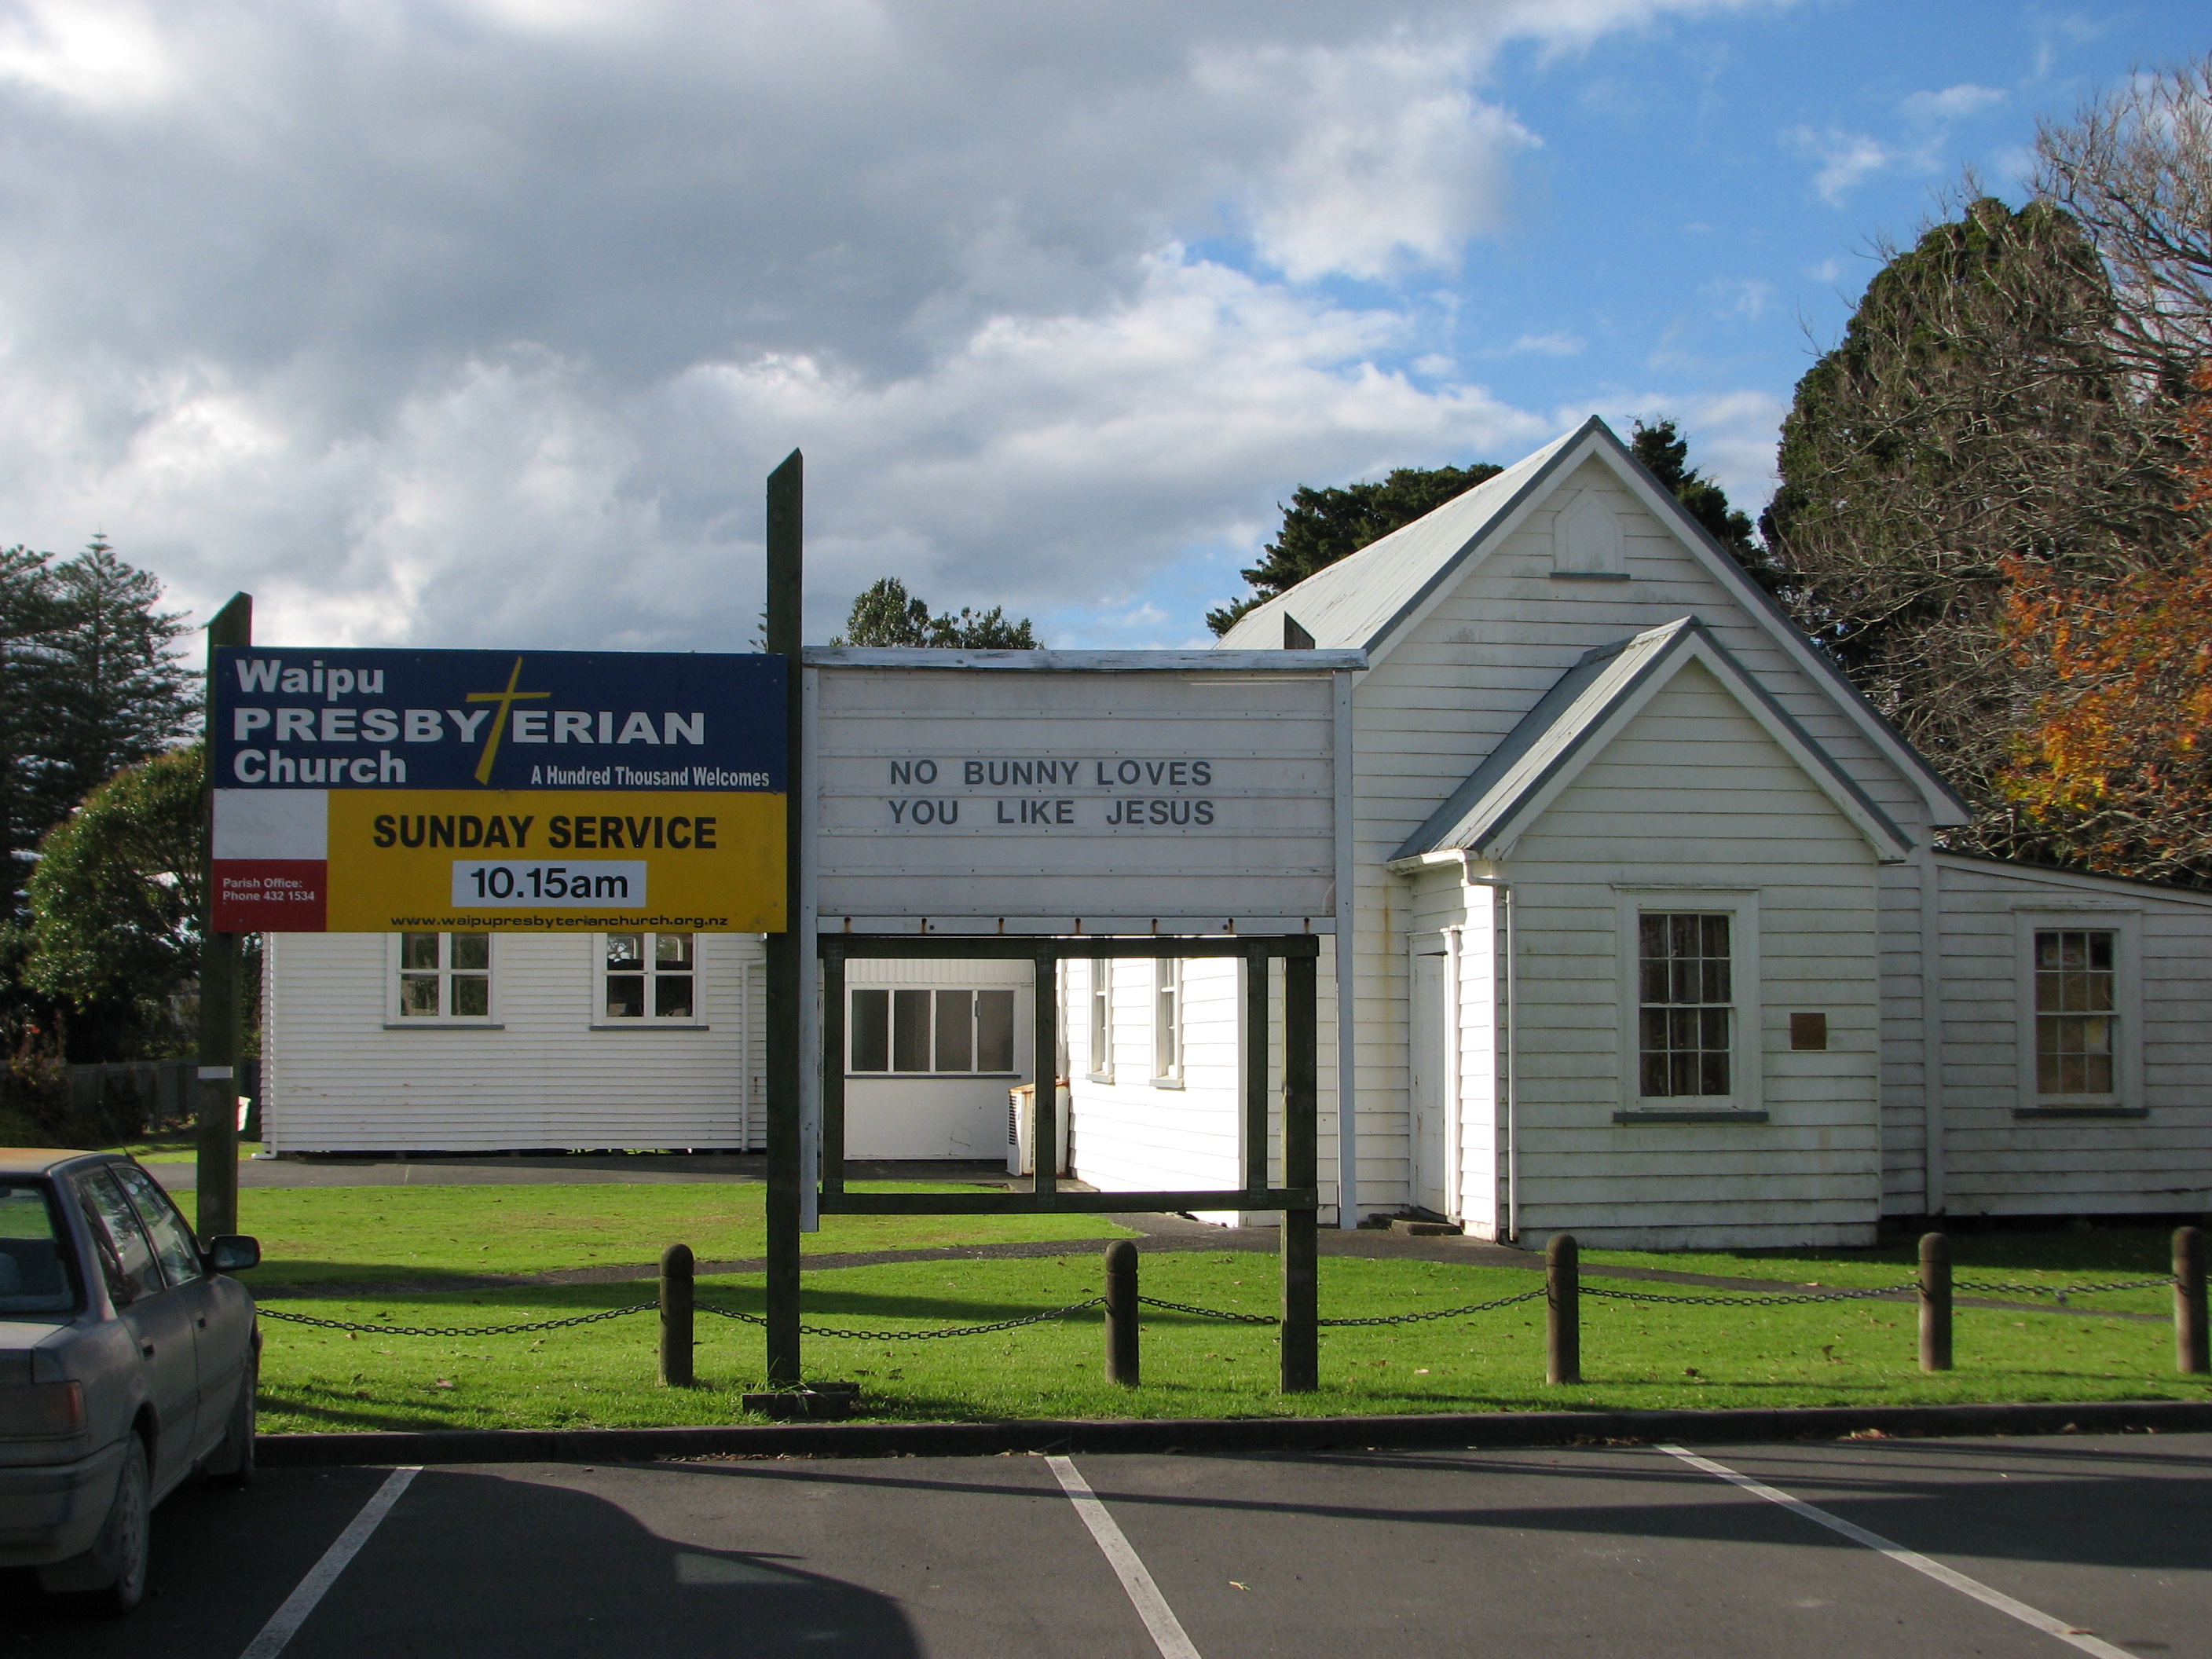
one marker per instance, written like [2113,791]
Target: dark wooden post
[1122,1313]
[215,1191]
[1301,1335]
[1254,1146]
[1934,1303]
[1563,1309]
[2190,1355]
[1044,1063]
[787,496]
[833,1068]
[676,1297]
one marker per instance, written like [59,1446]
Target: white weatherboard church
[1649,943]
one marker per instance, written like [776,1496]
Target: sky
[479,323]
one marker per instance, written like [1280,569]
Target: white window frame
[852,1025]
[603,1021]
[1099,1028]
[2126,1099]
[396,1021]
[1169,1025]
[1747,1098]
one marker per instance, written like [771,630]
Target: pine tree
[1666,454]
[1320,526]
[885,614]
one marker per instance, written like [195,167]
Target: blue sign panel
[596,721]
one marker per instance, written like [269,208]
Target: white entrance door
[1430,1091]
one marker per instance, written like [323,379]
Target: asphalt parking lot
[1629,1551]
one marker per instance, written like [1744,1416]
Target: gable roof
[1372,599]
[1586,708]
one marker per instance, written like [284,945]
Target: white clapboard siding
[1641,813]
[338,1080]
[1998,1163]
[1904,1049]
[1442,697]
[1130,1132]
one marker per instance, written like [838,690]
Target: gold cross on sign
[506,700]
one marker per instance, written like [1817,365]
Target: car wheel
[113,1570]
[233,1463]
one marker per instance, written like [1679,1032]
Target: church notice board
[1069,792]
[370,791]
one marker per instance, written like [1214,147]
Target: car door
[222,1311]
[161,1321]
[222,1315]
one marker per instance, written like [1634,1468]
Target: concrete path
[2019,1549]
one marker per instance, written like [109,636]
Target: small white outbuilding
[1651,942]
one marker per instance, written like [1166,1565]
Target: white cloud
[94,52]
[1741,299]
[1846,159]
[1952,104]
[466,320]
[1045,460]
[1557,344]
[1392,163]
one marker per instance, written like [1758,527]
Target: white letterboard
[1056,793]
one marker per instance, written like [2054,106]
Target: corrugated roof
[1358,598]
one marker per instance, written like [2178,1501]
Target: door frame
[1450,1184]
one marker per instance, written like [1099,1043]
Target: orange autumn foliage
[2114,766]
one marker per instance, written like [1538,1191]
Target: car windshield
[33,1279]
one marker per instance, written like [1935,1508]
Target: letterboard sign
[1057,792]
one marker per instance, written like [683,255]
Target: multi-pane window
[1685,997]
[1167,1019]
[2075,1018]
[1102,1015]
[650,976]
[445,976]
[928,1029]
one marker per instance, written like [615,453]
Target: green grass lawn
[1633,1355]
[2052,1259]
[393,1235]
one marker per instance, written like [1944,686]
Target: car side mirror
[233,1253]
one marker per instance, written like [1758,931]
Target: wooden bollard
[1934,1303]
[2190,1355]
[676,1288]
[1563,1323]
[1122,1313]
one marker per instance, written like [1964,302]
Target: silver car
[128,1362]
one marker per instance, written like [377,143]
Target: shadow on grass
[2134,1251]
[364,1414]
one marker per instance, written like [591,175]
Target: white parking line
[1913,1558]
[285,1622]
[1167,1632]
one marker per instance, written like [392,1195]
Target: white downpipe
[1454,1136]
[1505,890]
[1348,978]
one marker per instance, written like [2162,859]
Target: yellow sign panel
[528,859]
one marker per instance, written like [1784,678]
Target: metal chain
[2062,1292]
[915,1336]
[1743,1301]
[1442,1313]
[267,1312]
[1210,1313]
[1380,1319]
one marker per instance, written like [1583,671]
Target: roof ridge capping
[1589,705]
